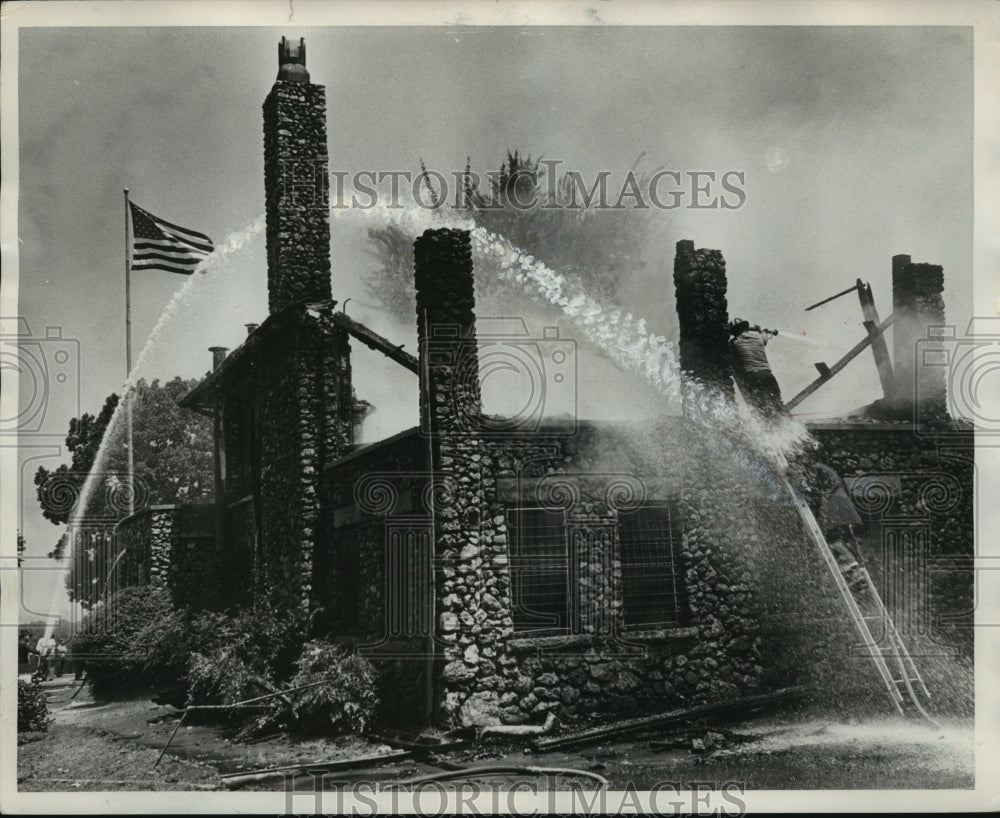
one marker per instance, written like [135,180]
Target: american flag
[160,245]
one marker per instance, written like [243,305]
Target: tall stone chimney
[450,400]
[703,317]
[296,184]
[917,307]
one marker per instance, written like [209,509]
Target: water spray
[233,243]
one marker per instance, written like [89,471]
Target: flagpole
[128,359]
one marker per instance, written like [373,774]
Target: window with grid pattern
[539,569]
[652,591]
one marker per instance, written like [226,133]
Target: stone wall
[173,548]
[594,665]
[484,670]
[196,572]
[286,410]
[590,664]
[915,493]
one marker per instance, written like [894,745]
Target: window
[539,569]
[545,592]
[652,594]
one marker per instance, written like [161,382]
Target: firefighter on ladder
[837,517]
[751,368]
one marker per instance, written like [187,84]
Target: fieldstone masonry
[285,395]
[171,548]
[296,182]
[446,330]
[702,314]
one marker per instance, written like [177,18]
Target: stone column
[703,317]
[297,185]
[917,305]
[450,400]
[450,412]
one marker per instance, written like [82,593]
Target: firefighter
[751,368]
[837,518]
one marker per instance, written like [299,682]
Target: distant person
[837,518]
[61,656]
[751,368]
[25,652]
[46,647]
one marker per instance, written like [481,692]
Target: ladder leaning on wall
[901,678]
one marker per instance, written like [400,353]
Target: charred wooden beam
[857,349]
[373,340]
[879,349]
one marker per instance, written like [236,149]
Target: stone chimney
[917,309]
[450,400]
[296,184]
[703,317]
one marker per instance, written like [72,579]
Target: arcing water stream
[233,242]
[621,336]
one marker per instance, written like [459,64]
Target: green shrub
[222,677]
[32,709]
[346,703]
[133,640]
[241,656]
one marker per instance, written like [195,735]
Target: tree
[22,546]
[595,247]
[172,461]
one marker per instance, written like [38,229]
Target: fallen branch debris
[243,704]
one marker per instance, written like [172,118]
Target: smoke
[623,337]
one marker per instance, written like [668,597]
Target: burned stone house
[496,571]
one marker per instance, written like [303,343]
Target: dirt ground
[115,746]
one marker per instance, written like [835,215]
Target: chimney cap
[218,356]
[292,61]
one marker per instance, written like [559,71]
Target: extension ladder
[900,679]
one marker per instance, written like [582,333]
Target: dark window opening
[652,591]
[539,569]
